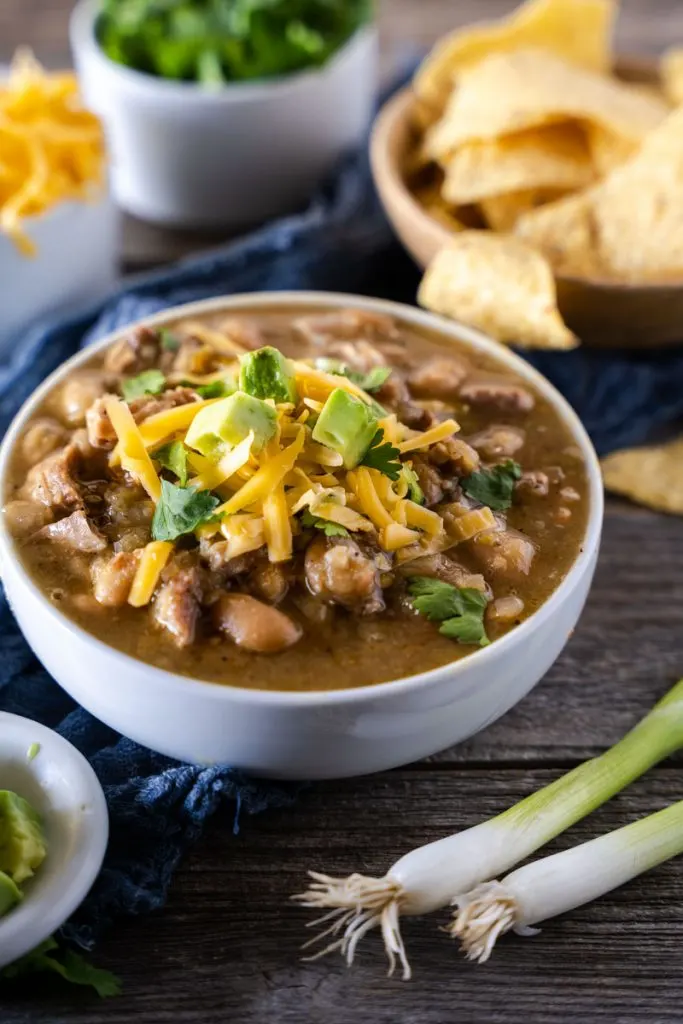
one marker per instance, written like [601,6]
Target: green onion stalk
[435,875]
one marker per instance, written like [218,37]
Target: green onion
[566,880]
[432,876]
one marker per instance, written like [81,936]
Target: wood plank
[626,652]
[226,948]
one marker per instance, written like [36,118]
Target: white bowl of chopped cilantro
[225,113]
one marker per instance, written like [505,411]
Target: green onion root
[556,884]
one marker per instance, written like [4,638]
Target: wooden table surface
[225,949]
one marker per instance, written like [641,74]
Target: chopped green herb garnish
[33,751]
[415,492]
[181,510]
[460,610]
[49,957]
[329,528]
[169,341]
[173,456]
[149,382]
[216,389]
[494,487]
[216,41]
[383,456]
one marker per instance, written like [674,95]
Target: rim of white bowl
[446,329]
[44,909]
[84,40]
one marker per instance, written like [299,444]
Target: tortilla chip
[498,284]
[627,228]
[562,231]
[651,476]
[553,157]
[430,199]
[671,74]
[607,150]
[501,213]
[513,92]
[578,30]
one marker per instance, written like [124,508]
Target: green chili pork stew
[296,502]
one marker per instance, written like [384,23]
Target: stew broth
[339,643]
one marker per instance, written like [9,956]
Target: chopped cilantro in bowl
[219,41]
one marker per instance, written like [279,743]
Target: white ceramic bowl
[63,788]
[76,261]
[306,735]
[190,156]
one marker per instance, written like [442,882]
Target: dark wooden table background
[225,949]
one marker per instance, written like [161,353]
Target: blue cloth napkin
[342,242]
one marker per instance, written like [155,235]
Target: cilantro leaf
[382,455]
[494,487]
[173,456]
[415,492]
[433,598]
[216,389]
[169,341]
[181,510]
[460,610]
[468,627]
[149,382]
[329,528]
[48,957]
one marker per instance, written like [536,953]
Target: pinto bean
[253,625]
[26,517]
[41,438]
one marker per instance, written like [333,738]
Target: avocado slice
[266,373]
[347,425]
[22,843]
[227,422]
[10,894]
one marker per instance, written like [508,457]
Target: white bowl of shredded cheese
[74,261]
[58,223]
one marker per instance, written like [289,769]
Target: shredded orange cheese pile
[51,147]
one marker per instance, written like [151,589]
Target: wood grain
[225,949]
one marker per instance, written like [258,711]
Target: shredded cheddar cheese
[265,480]
[428,437]
[152,561]
[471,523]
[362,481]
[277,526]
[218,473]
[395,536]
[133,454]
[164,424]
[318,385]
[51,147]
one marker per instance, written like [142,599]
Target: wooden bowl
[600,312]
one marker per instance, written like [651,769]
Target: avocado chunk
[10,894]
[266,373]
[221,426]
[22,844]
[347,425]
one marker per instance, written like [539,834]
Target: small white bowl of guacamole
[53,833]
